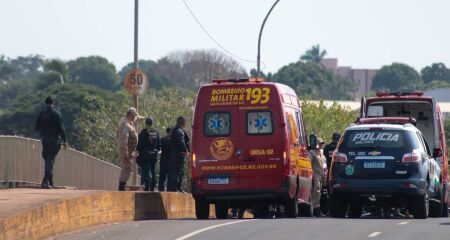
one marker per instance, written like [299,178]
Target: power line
[213,39]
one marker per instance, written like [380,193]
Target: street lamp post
[136,60]
[258,59]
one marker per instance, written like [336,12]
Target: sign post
[135,83]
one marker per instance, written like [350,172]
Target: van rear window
[259,122]
[376,138]
[217,124]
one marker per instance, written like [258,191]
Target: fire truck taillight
[285,160]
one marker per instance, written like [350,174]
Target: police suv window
[217,124]
[375,138]
[259,122]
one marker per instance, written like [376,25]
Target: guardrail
[21,161]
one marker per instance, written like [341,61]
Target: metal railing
[21,161]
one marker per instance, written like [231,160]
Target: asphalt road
[249,229]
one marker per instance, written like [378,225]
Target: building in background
[362,78]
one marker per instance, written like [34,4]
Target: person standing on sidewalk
[127,141]
[50,125]
[148,147]
[164,160]
[180,148]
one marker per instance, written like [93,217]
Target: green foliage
[94,70]
[315,81]
[29,67]
[436,84]
[10,90]
[151,69]
[315,54]
[58,66]
[100,120]
[323,120]
[49,78]
[397,77]
[5,68]
[19,117]
[437,71]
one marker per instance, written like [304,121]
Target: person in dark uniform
[50,125]
[165,158]
[329,149]
[148,147]
[180,148]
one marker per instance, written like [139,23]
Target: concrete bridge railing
[21,161]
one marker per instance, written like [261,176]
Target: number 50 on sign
[136,82]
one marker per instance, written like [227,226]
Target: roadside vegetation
[91,98]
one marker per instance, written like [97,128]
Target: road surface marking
[374,234]
[209,228]
[403,223]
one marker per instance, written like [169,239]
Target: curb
[105,207]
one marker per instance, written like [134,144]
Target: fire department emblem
[221,148]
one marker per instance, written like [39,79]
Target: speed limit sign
[135,82]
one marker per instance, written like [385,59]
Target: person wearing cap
[180,148]
[49,124]
[165,158]
[317,162]
[127,139]
[148,147]
[329,149]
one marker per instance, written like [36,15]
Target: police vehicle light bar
[239,80]
[398,94]
[391,120]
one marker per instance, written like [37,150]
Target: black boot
[152,186]
[122,186]
[318,213]
[146,186]
[50,180]
[44,183]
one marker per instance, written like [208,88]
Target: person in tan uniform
[318,163]
[127,140]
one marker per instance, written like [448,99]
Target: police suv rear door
[375,153]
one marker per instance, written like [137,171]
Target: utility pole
[258,58]
[136,65]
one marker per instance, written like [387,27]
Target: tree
[19,118]
[26,68]
[58,66]
[323,120]
[94,70]
[397,77]
[151,69]
[314,54]
[193,68]
[49,78]
[5,68]
[314,81]
[437,71]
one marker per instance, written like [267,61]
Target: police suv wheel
[201,209]
[436,206]
[421,205]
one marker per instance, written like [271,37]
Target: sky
[360,33]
